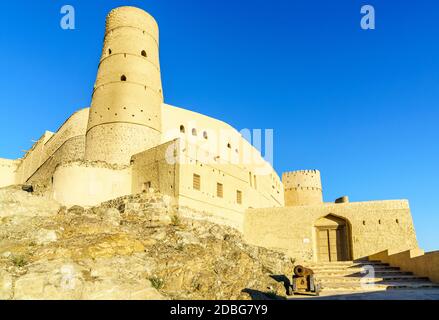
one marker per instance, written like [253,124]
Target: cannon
[304,282]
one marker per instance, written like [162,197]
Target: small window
[397,221]
[255,182]
[109,51]
[197,182]
[379,221]
[194,132]
[219,190]
[238,197]
[182,130]
[123,78]
[250,178]
[229,145]
[205,136]
[364,222]
[144,53]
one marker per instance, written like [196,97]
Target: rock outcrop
[135,247]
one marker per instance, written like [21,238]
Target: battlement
[298,172]
[302,179]
[127,16]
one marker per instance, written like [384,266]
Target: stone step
[391,285]
[355,270]
[399,278]
[347,276]
[343,262]
[347,266]
[359,272]
[345,273]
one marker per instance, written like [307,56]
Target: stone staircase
[364,276]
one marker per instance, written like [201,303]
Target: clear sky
[360,106]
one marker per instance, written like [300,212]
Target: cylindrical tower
[125,113]
[302,188]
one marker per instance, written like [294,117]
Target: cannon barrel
[301,271]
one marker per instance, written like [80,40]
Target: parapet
[131,17]
[304,179]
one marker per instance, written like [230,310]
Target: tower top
[131,17]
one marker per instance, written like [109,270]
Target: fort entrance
[332,238]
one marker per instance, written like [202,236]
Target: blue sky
[361,106]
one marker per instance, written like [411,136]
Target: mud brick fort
[130,141]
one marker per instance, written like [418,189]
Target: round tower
[302,188]
[125,113]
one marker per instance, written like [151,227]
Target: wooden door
[332,244]
[323,245]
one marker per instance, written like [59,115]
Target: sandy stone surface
[131,248]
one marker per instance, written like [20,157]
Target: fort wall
[374,226]
[89,184]
[8,170]
[156,168]
[206,140]
[233,176]
[67,144]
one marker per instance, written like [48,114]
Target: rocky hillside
[130,248]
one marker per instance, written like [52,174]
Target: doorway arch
[332,239]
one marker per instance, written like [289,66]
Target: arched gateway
[332,239]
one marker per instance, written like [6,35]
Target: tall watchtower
[125,113]
[302,188]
